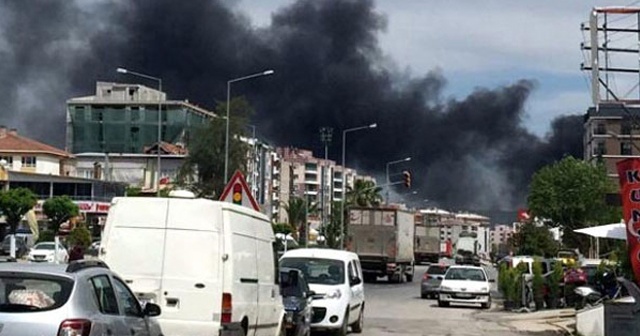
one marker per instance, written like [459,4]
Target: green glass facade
[121,128]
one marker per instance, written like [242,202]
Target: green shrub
[518,291]
[538,284]
[46,236]
[80,236]
[554,281]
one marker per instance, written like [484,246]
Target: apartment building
[22,154]
[500,235]
[452,224]
[299,174]
[611,134]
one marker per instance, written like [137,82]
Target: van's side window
[276,265]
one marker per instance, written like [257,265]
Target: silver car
[431,281]
[82,298]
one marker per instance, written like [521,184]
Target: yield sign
[237,192]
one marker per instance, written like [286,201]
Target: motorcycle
[607,288]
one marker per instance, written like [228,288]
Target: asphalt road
[397,309]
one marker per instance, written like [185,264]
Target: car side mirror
[311,294]
[151,309]
[355,281]
[492,280]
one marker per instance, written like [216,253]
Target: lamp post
[388,179]
[344,175]
[159,80]
[226,141]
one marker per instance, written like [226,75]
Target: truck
[467,249]
[427,243]
[383,239]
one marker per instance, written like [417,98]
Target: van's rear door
[133,243]
[191,286]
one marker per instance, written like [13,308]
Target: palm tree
[297,210]
[364,194]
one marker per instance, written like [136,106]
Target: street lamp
[226,141]
[159,80]
[388,180]
[344,175]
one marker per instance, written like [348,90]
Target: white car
[465,284]
[46,252]
[336,278]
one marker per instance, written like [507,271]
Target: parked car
[82,298]
[46,252]
[297,298]
[431,281]
[21,246]
[336,278]
[209,264]
[465,284]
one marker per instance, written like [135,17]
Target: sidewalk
[560,321]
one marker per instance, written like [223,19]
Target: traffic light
[406,178]
[237,194]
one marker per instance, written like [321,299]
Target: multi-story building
[611,134]
[122,119]
[500,235]
[452,224]
[48,171]
[299,174]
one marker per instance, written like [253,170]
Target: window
[29,293]
[104,294]
[316,270]
[7,159]
[600,129]
[600,149]
[625,127]
[128,300]
[29,161]
[625,148]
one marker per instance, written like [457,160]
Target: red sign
[237,192]
[629,175]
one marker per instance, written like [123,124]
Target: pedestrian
[77,253]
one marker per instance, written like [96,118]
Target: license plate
[463,295]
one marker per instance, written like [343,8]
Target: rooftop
[11,142]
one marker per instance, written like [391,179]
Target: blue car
[296,297]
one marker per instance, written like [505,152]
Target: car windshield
[317,271]
[472,274]
[437,270]
[45,246]
[21,293]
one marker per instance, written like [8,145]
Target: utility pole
[326,135]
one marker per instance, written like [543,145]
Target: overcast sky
[488,43]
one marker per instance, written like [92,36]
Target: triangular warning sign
[237,192]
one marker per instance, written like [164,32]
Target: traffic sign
[237,192]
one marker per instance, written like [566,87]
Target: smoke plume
[473,153]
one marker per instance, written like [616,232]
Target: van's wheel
[369,278]
[344,329]
[359,324]
[410,276]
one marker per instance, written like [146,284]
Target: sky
[487,43]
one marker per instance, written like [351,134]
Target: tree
[283,228]
[364,193]
[297,210]
[203,169]
[58,210]
[531,239]
[571,194]
[14,204]
[331,230]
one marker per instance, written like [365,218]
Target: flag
[33,224]
[629,176]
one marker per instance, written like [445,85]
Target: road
[397,309]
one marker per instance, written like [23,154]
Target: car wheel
[359,325]
[424,296]
[443,304]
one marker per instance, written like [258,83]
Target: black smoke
[474,153]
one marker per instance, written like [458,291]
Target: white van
[336,278]
[209,265]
